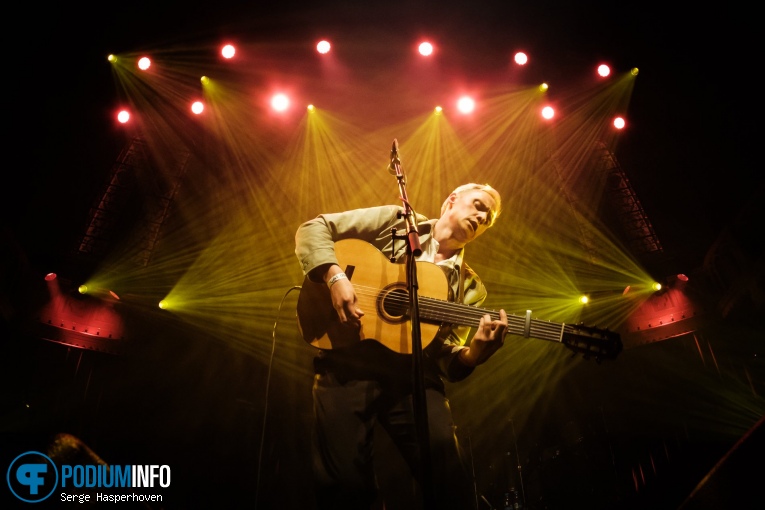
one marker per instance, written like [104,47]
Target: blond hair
[483,187]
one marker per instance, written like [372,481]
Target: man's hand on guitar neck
[343,294]
[489,337]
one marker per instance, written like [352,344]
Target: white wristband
[334,279]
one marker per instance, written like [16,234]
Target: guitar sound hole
[393,305]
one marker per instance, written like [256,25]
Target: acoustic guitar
[383,296]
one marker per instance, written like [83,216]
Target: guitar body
[382,295]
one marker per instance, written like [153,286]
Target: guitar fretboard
[456,313]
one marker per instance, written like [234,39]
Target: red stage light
[323,47]
[228,51]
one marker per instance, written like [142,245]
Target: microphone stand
[414,249]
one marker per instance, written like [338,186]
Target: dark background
[691,157]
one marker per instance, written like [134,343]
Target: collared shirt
[429,250]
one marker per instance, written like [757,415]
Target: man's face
[470,214]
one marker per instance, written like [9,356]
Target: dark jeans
[345,414]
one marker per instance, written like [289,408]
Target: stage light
[82,289]
[543,87]
[677,281]
[197,107]
[584,300]
[50,277]
[466,104]
[228,51]
[311,108]
[144,63]
[280,102]
[123,116]
[438,110]
[114,295]
[323,47]
[656,286]
[521,58]
[548,112]
[112,58]
[634,71]
[163,304]
[205,80]
[619,123]
[425,49]
[604,70]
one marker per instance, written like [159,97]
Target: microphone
[394,160]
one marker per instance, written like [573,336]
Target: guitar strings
[575,337]
[446,311]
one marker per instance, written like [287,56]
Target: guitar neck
[455,313]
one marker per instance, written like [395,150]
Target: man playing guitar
[351,296]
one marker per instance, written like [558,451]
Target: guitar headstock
[592,342]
